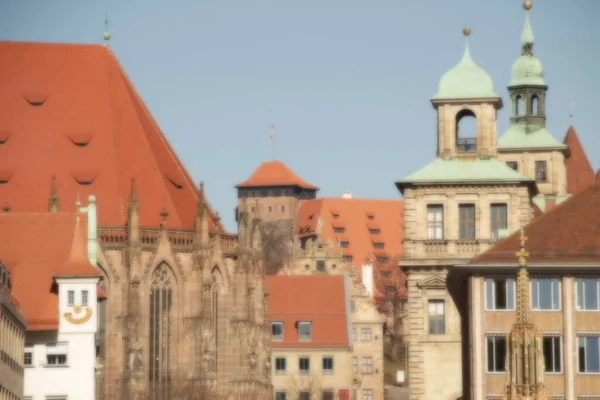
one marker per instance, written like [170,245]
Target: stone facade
[186,311]
[12,340]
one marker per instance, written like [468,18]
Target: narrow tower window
[535,105]
[519,106]
[466,132]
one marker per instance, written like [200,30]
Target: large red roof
[320,299]
[70,110]
[39,248]
[580,172]
[275,173]
[568,233]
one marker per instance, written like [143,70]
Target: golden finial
[527,5]
[467,31]
[522,254]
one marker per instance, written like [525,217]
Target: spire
[523,303]
[107,34]
[134,202]
[54,202]
[467,59]
[527,38]
[78,247]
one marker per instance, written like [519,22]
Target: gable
[434,282]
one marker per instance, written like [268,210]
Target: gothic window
[435,222]
[519,106]
[466,132]
[535,105]
[499,219]
[161,331]
[500,294]
[466,213]
[541,171]
[496,354]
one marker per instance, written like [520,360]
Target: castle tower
[525,361]
[528,146]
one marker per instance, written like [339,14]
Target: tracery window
[161,331]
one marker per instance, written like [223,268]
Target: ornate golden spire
[523,303]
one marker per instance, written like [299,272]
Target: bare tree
[390,280]
[277,239]
[308,387]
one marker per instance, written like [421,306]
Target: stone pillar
[569,338]
[477,299]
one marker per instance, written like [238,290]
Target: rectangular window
[435,222]
[383,260]
[339,229]
[466,216]
[553,354]
[347,258]
[304,396]
[352,306]
[354,334]
[378,245]
[344,244]
[366,334]
[280,396]
[328,395]
[541,171]
[321,265]
[375,231]
[499,219]
[280,365]
[304,365]
[437,317]
[589,354]
[355,365]
[496,353]
[500,294]
[588,294]
[277,330]
[367,366]
[367,394]
[328,365]
[305,330]
[545,294]
[71,298]
[84,298]
[28,358]
[513,165]
[56,354]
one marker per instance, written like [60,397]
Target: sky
[348,83]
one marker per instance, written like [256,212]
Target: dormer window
[305,331]
[71,298]
[84,298]
[277,330]
[339,229]
[378,245]
[344,244]
[375,231]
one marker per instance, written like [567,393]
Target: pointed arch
[162,316]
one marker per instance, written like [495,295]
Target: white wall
[367,278]
[76,379]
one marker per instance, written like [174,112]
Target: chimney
[346,194]
[367,278]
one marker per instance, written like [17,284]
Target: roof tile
[580,173]
[275,173]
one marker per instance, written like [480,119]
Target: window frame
[579,360]
[367,366]
[367,394]
[366,334]
[28,350]
[328,394]
[301,337]
[280,395]
[514,165]
[495,223]
[467,227]
[70,298]
[321,265]
[433,224]
[355,365]
[495,282]
[279,371]
[282,325]
[328,371]
[534,299]
[304,371]
[495,338]
[57,354]
[85,298]
[436,318]
[539,170]
[581,293]
[556,338]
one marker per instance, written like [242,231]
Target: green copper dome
[528,69]
[467,80]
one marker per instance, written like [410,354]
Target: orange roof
[70,110]
[568,233]
[40,247]
[364,222]
[320,299]
[275,173]
[580,173]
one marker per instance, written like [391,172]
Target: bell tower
[466,91]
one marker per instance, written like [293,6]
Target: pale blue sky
[347,82]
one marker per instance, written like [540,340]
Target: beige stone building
[564,299]
[12,340]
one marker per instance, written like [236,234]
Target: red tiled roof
[568,233]
[320,299]
[275,173]
[71,110]
[387,215]
[40,247]
[580,172]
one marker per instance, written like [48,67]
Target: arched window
[519,106]
[162,299]
[535,105]
[466,132]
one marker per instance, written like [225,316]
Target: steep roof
[40,247]
[580,172]
[70,110]
[275,173]
[568,233]
[364,222]
[522,136]
[320,299]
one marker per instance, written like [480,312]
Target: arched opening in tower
[466,131]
